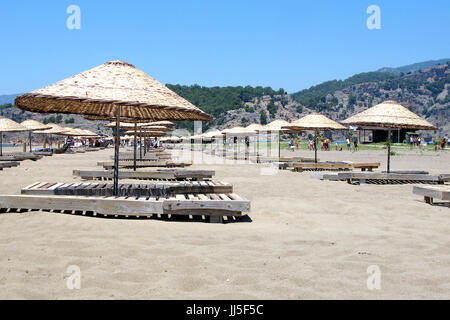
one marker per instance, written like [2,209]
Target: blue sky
[282,44]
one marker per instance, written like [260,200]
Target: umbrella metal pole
[279,145]
[29,136]
[315,149]
[116,153]
[140,144]
[134,149]
[389,151]
[1,143]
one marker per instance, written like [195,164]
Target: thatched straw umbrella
[7,125]
[275,126]
[159,123]
[113,89]
[389,115]
[316,122]
[34,125]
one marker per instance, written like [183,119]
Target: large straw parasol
[146,133]
[275,126]
[34,125]
[7,125]
[389,115]
[159,123]
[316,122]
[115,88]
[54,129]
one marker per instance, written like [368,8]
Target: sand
[307,239]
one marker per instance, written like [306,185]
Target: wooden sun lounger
[20,156]
[299,167]
[127,190]
[430,193]
[335,166]
[144,164]
[389,178]
[262,159]
[43,153]
[173,174]
[8,164]
[216,206]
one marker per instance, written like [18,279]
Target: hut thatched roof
[389,114]
[34,125]
[97,91]
[8,125]
[314,121]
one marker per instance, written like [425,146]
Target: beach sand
[307,239]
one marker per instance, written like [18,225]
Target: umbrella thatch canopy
[234,131]
[317,122]
[314,121]
[34,125]
[8,125]
[156,128]
[253,127]
[275,126]
[159,123]
[212,134]
[98,91]
[124,125]
[54,129]
[114,89]
[389,114]
[146,133]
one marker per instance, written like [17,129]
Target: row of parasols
[120,92]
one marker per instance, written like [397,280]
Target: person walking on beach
[348,144]
[355,144]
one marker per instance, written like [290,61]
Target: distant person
[291,144]
[310,144]
[355,144]
[296,143]
[348,144]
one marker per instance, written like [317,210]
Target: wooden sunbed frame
[20,156]
[167,174]
[144,164]
[391,178]
[9,164]
[299,167]
[129,190]
[216,206]
[430,193]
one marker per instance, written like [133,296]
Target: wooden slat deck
[144,164]
[159,174]
[20,156]
[9,164]
[335,166]
[430,193]
[388,178]
[262,159]
[130,190]
[216,207]
[299,167]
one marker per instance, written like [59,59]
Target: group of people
[417,141]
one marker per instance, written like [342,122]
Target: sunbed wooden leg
[428,200]
[215,219]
